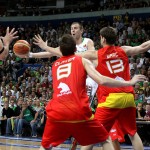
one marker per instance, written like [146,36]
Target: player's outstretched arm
[43,45]
[131,51]
[36,55]
[6,41]
[106,81]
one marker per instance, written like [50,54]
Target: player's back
[113,62]
[70,101]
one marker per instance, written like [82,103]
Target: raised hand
[39,42]
[9,37]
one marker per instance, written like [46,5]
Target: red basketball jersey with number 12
[113,62]
[70,101]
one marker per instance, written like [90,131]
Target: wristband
[30,55]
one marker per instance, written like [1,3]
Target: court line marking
[39,140]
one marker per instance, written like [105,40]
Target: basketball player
[82,44]
[5,42]
[68,113]
[114,103]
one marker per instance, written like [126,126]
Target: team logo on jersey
[113,130]
[64,89]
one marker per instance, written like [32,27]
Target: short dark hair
[67,45]
[109,34]
[80,25]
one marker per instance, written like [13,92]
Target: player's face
[76,31]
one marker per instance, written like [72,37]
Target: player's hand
[39,42]
[138,78]
[9,37]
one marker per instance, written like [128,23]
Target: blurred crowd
[44,7]
[33,89]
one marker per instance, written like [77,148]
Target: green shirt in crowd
[27,115]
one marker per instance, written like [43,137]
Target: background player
[105,60]
[69,112]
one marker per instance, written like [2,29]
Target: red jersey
[113,62]
[70,101]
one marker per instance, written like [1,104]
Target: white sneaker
[34,136]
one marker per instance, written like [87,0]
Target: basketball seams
[21,47]
[21,44]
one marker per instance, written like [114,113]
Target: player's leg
[116,145]
[116,135]
[136,142]
[129,126]
[92,132]
[74,143]
[107,145]
[88,147]
[54,134]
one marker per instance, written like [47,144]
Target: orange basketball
[21,47]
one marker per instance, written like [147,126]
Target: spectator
[7,112]
[10,121]
[140,112]
[147,115]
[26,118]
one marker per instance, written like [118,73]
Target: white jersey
[83,46]
[90,83]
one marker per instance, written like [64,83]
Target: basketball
[21,47]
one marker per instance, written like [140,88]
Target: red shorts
[89,132]
[118,107]
[116,133]
[126,118]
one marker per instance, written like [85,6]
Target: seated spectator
[140,112]
[147,94]
[147,115]
[12,104]
[7,112]
[137,100]
[137,87]
[27,118]
[41,123]
[10,121]
[141,95]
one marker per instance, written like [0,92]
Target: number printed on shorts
[115,66]
[63,71]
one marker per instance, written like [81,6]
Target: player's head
[67,45]
[108,36]
[76,30]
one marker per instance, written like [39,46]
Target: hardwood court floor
[13,143]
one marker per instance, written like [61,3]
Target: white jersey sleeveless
[82,47]
[90,83]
